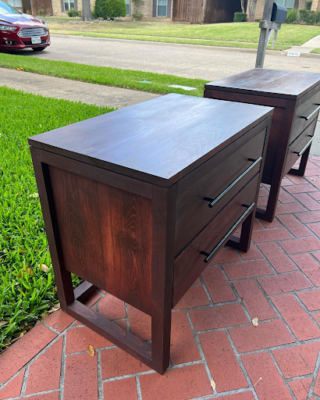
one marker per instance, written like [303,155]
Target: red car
[21,31]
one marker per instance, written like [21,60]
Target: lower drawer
[297,148]
[191,263]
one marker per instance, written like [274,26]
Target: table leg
[303,164]
[243,242]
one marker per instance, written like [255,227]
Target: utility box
[279,13]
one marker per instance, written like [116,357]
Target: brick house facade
[315,5]
[148,8]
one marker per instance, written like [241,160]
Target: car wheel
[38,48]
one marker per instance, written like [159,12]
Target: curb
[277,52]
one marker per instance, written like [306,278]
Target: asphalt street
[203,62]
[189,61]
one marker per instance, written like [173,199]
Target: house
[192,11]
[255,7]
[33,7]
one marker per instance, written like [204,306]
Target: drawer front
[191,262]
[214,183]
[297,148]
[305,113]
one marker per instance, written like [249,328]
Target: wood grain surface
[276,83]
[158,141]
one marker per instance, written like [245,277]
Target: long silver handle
[215,201]
[309,116]
[243,216]
[305,147]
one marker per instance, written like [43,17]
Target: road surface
[189,61]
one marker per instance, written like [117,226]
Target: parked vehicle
[21,31]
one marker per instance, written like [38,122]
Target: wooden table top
[158,141]
[285,84]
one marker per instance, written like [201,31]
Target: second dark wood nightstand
[296,99]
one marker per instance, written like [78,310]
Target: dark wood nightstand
[138,201]
[296,99]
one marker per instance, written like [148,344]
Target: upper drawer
[305,113]
[219,179]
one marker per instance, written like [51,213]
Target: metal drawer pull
[215,201]
[243,216]
[305,147]
[309,116]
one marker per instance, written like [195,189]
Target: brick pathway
[278,281]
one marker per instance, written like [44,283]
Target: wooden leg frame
[269,213]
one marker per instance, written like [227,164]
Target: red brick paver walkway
[277,281]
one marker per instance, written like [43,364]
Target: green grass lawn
[316,51]
[26,291]
[104,75]
[289,35]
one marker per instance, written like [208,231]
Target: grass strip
[27,291]
[289,35]
[196,42]
[117,77]
[315,51]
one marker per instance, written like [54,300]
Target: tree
[252,8]
[243,6]
[86,11]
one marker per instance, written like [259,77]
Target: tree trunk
[296,4]
[243,7]
[252,8]
[86,11]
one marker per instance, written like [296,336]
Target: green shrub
[115,8]
[308,5]
[240,17]
[309,17]
[292,16]
[138,17]
[317,16]
[73,13]
[100,9]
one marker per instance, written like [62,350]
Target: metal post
[274,38]
[263,41]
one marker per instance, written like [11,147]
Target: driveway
[183,60]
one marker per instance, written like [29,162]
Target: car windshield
[6,9]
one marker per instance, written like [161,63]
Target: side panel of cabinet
[106,235]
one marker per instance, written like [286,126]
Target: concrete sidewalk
[72,90]
[87,92]
[308,46]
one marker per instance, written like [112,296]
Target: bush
[73,13]
[317,16]
[309,17]
[110,9]
[100,9]
[240,17]
[138,17]
[115,8]
[308,5]
[292,16]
